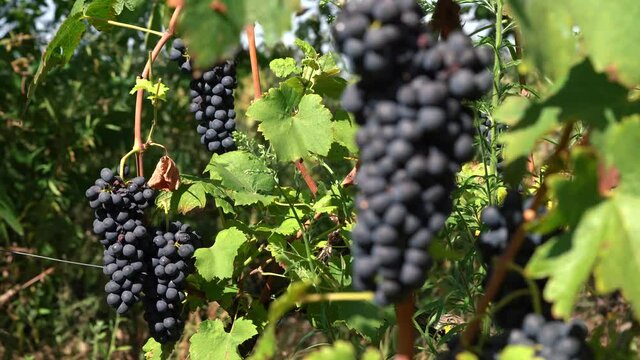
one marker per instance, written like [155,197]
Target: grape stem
[137,132]
[517,239]
[255,72]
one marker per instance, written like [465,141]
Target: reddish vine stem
[255,72]
[253,55]
[406,331]
[497,277]
[137,132]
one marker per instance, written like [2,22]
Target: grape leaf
[247,178]
[296,124]
[608,41]
[273,15]
[284,67]
[547,35]
[61,47]
[606,240]
[153,350]
[216,262]
[212,32]
[158,90]
[211,341]
[130,4]
[344,131]
[191,195]
[99,11]
[584,95]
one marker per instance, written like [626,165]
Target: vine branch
[138,145]
[502,264]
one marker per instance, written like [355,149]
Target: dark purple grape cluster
[171,261]
[119,209]
[213,106]
[552,340]
[415,135]
[501,223]
[212,102]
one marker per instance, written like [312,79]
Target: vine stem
[406,331]
[255,72]
[137,132]
[517,239]
[495,99]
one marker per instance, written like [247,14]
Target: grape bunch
[415,135]
[212,101]
[213,106]
[119,208]
[501,223]
[171,261]
[552,340]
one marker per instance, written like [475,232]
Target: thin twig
[137,132]
[14,290]
[497,277]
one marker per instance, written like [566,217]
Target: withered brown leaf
[166,176]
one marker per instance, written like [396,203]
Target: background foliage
[267,230]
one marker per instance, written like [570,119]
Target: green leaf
[547,31]
[99,12]
[284,67]
[153,350]
[296,124]
[211,341]
[191,195]
[619,146]
[585,96]
[273,15]
[212,34]
[307,49]
[130,4]
[247,178]
[606,238]
[344,131]
[60,49]
[329,86]
[217,262]
[518,352]
[610,44]
[157,91]
[340,350]
[8,215]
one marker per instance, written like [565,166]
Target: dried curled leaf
[166,176]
